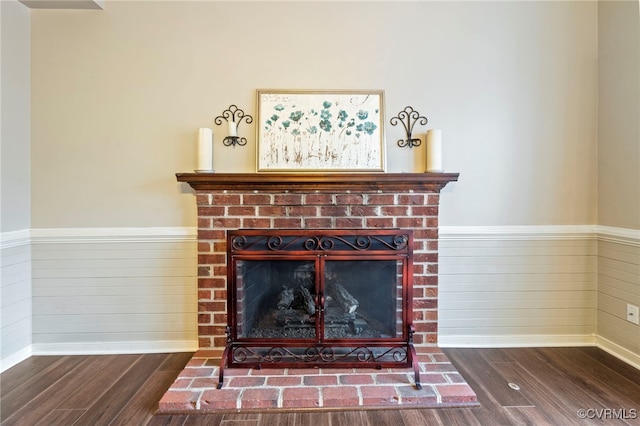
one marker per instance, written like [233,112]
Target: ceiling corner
[64,4]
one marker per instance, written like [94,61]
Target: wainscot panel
[517,286]
[15,297]
[114,290]
[618,285]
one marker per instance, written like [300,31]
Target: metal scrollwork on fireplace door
[320,243]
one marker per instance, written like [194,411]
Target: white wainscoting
[539,286]
[114,290]
[15,298]
[517,286]
[618,284]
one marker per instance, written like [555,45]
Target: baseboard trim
[111,348]
[15,358]
[521,341]
[97,348]
[618,351]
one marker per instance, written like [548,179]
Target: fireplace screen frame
[321,246]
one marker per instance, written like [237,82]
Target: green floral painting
[320,130]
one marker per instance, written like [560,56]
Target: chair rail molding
[14,238]
[518,232]
[118,234]
[619,235]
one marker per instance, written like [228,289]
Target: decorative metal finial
[408,117]
[233,116]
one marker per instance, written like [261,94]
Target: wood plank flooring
[556,387]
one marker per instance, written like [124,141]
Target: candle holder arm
[235,115]
[408,117]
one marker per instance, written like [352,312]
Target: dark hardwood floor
[557,386]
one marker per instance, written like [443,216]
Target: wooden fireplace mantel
[318,181]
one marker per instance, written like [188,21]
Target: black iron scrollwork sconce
[233,116]
[409,117]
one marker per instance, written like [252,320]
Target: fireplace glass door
[362,299]
[276,298]
[316,297]
[279,298]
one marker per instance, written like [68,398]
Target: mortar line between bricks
[280,402]
[239,399]
[409,378]
[320,396]
[438,396]
[198,401]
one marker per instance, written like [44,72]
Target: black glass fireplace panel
[363,299]
[276,299]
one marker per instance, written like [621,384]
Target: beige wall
[619,114]
[15,180]
[118,96]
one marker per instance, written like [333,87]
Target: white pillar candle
[205,150]
[233,128]
[434,150]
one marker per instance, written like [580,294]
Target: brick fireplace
[314,201]
[361,201]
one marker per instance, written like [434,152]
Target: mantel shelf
[318,181]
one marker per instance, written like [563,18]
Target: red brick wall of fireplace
[219,211]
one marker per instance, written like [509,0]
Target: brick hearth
[315,388]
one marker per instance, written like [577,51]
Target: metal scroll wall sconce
[233,116]
[409,117]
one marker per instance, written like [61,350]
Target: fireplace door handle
[320,306]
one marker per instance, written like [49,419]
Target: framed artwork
[320,130]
